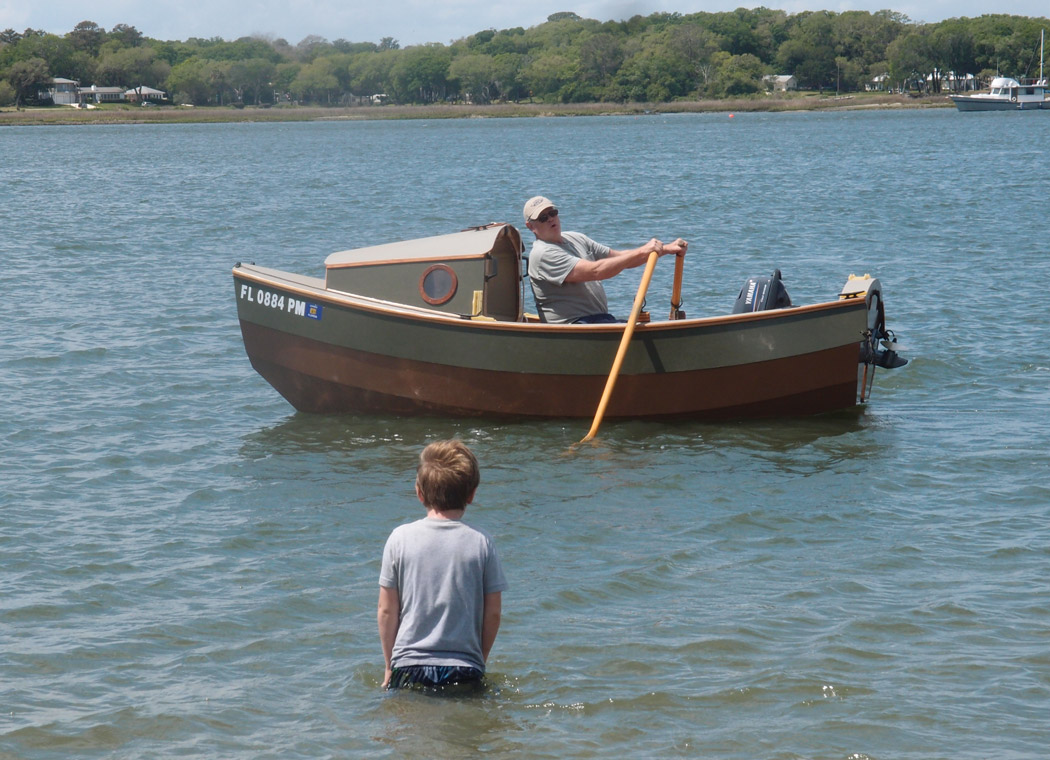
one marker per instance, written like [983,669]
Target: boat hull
[970,104]
[338,353]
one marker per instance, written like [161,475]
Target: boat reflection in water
[437,326]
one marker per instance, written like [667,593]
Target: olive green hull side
[358,355]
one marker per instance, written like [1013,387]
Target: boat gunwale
[294,283]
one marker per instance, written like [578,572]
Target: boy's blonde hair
[447,475]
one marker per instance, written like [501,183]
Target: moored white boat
[1006,94]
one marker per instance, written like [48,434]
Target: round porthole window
[438,284]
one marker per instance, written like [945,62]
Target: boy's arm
[490,622]
[389,618]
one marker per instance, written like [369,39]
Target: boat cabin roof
[469,244]
[476,272]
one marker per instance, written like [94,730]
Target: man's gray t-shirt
[442,570]
[550,264]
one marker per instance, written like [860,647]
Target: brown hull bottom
[320,378]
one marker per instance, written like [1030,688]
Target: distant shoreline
[125,114]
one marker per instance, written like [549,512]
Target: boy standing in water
[441,582]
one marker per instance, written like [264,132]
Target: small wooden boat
[437,326]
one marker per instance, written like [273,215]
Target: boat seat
[525,276]
[535,300]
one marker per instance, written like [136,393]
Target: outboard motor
[762,293]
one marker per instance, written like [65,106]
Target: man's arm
[490,622]
[389,618]
[617,261]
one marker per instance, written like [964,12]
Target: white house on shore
[63,92]
[781,82]
[68,92]
[960,82]
[136,94]
[95,94]
[878,83]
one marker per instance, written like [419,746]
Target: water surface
[190,567]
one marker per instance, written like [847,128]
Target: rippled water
[189,568]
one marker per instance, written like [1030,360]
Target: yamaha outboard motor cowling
[762,293]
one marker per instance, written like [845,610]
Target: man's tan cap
[536,206]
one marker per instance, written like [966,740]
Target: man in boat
[441,581]
[566,268]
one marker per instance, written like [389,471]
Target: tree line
[568,59]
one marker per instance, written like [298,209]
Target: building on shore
[68,92]
[780,82]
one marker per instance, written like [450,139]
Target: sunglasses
[547,215]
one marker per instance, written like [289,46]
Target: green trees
[317,81]
[601,55]
[933,56]
[547,74]
[253,78]
[27,77]
[420,74]
[860,46]
[911,59]
[1013,48]
[191,80]
[951,49]
[663,56]
[56,52]
[654,74]
[87,37]
[809,51]
[132,66]
[370,73]
[738,75]
[477,75]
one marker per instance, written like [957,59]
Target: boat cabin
[1029,89]
[1003,87]
[475,273]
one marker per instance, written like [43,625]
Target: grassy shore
[127,114]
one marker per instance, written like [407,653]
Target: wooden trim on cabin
[410,260]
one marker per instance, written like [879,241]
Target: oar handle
[639,300]
[676,290]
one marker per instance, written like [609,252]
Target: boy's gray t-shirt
[550,264]
[442,570]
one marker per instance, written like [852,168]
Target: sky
[414,22]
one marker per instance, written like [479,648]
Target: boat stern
[878,346]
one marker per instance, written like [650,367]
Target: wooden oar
[624,341]
[676,290]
